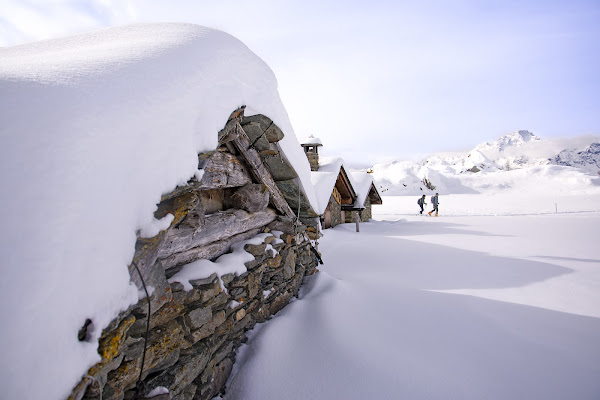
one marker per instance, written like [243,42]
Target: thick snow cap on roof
[324,180]
[361,181]
[94,129]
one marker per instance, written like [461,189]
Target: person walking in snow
[435,203]
[421,203]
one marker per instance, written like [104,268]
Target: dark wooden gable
[344,187]
[374,195]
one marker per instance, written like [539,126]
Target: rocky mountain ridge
[587,159]
[459,172]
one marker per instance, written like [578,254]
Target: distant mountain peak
[514,139]
[525,135]
[470,172]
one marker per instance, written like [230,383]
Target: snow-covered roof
[95,128]
[362,182]
[324,180]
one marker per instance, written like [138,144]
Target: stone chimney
[311,149]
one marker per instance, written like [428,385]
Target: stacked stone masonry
[194,334]
[365,214]
[334,209]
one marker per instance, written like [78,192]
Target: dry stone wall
[335,211]
[365,214]
[191,334]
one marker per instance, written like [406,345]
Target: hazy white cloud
[23,20]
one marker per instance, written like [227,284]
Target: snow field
[467,307]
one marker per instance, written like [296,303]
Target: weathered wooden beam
[235,135]
[212,228]
[207,252]
[252,198]
[222,170]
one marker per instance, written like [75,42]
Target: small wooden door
[327,218]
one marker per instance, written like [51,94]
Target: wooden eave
[374,195]
[343,185]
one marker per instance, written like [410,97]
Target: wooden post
[357,219]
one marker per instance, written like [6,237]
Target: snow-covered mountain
[587,159]
[492,166]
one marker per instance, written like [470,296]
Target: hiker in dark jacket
[421,203]
[434,201]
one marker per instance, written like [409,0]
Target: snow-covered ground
[497,299]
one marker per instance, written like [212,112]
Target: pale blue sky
[385,80]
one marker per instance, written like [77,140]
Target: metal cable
[140,384]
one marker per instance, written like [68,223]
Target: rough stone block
[227,278]
[221,354]
[168,312]
[163,363]
[188,393]
[280,302]
[178,379]
[219,376]
[254,287]
[274,134]
[133,348]
[111,344]
[209,328]
[198,317]
[240,314]
[218,301]
[238,294]
[263,121]
[162,342]
[289,264]
[204,281]
[209,292]
[280,168]
[255,131]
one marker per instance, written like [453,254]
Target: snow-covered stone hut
[366,195]
[150,219]
[334,191]
[342,195]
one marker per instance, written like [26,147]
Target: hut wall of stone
[366,213]
[194,334]
[335,209]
